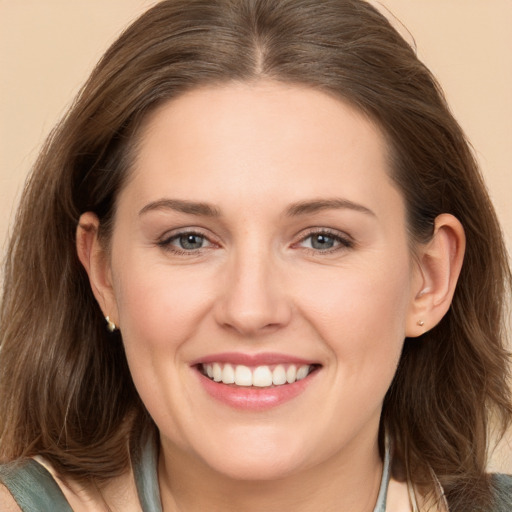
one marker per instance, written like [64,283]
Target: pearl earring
[421,323]
[111,326]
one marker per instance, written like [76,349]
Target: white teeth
[279,375]
[217,372]
[261,376]
[228,374]
[243,376]
[291,374]
[302,372]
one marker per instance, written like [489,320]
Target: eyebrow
[316,205]
[294,210]
[183,206]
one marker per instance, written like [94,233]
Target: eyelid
[165,240]
[345,241]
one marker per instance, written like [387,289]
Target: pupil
[323,242]
[191,241]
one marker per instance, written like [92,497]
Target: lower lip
[252,398]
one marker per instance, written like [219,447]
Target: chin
[252,469]
[254,460]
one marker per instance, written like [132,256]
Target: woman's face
[260,239]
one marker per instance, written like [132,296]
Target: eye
[189,241]
[185,242]
[321,241]
[325,241]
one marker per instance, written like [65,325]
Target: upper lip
[263,359]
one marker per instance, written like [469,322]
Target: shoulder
[7,503]
[502,487]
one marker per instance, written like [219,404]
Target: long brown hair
[65,389]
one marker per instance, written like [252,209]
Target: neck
[347,481]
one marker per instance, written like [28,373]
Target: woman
[255,268]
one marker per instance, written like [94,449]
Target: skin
[260,284]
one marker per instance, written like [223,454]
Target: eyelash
[343,242]
[166,243]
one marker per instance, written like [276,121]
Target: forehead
[241,140]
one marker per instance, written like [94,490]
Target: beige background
[48,47]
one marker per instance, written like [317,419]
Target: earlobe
[96,263]
[439,263]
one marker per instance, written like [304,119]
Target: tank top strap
[380,506]
[145,472]
[33,487]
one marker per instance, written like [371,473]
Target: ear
[437,270]
[96,262]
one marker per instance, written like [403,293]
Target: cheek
[159,311]
[158,304]
[359,312]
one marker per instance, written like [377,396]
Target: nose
[253,299]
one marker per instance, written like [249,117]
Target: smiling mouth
[259,376]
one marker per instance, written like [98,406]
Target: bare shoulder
[7,503]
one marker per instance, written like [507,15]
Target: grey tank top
[34,489]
